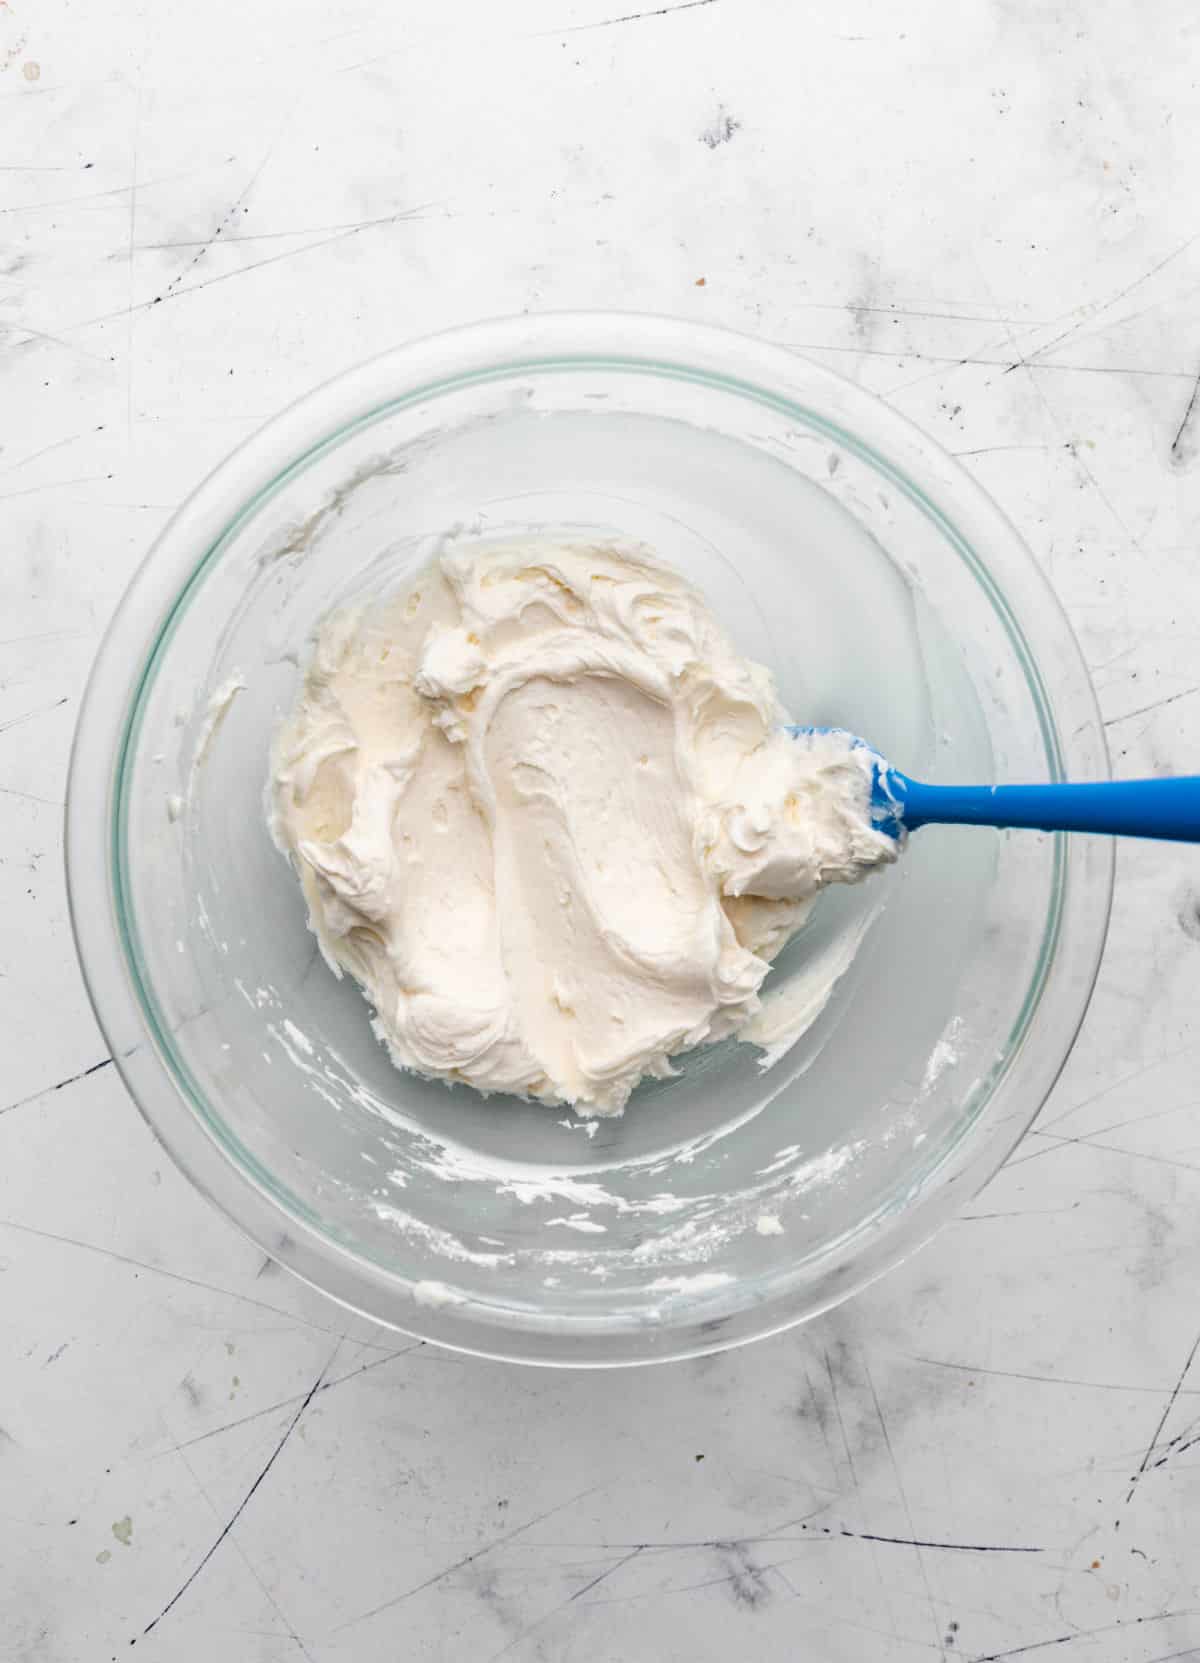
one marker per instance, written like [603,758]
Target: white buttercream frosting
[552,822]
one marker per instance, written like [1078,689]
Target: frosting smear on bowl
[549,819]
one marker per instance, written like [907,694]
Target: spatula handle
[1166,808]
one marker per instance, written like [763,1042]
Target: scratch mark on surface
[1021,1212]
[1117,658]
[944,359]
[1105,326]
[709,1581]
[1092,1141]
[60,1085]
[1158,704]
[837,1409]
[893,1635]
[990,450]
[132,239]
[24,461]
[159,1270]
[609,1570]
[28,797]
[54,485]
[1051,1145]
[1100,307]
[685,1544]
[630,17]
[1087,1634]
[293,253]
[913,312]
[42,710]
[98,196]
[1115,1085]
[1178,454]
[816,1411]
[930,1603]
[778,1567]
[467,1559]
[33,334]
[1178,1445]
[1080,461]
[604,1575]
[286,1402]
[261,236]
[785,1532]
[288,1625]
[1136,1120]
[945,1547]
[45,634]
[112,502]
[401,216]
[238,202]
[1162,1421]
[241,1507]
[1046,1379]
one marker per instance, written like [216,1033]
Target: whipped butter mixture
[549,819]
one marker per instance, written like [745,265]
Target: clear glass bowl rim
[820,399]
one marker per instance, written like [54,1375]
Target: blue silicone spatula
[1164,808]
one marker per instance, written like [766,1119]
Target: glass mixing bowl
[887,594]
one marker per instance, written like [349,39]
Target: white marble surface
[988,214]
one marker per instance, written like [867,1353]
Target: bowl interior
[740,1193]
